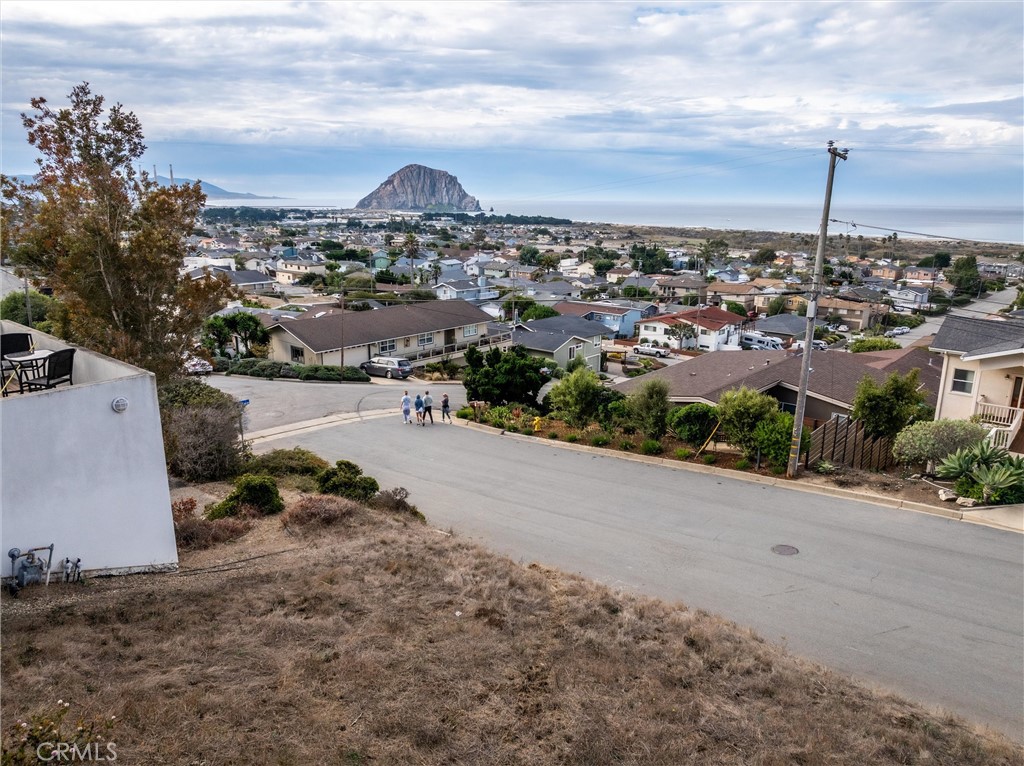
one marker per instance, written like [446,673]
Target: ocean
[982,224]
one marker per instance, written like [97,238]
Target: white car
[843,328]
[651,351]
[195,365]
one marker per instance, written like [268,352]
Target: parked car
[650,351]
[896,331]
[195,365]
[843,328]
[387,367]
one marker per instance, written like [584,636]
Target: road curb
[776,481]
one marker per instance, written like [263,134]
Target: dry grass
[377,639]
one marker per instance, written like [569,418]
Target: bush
[202,431]
[626,446]
[396,500]
[773,436]
[257,492]
[928,442]
[346,479]
[740,411]
[693,423]
[193,533]
[824,467]
[648,408]
[709,458]
[287,462]
[651,447]
[601,440]
[465,413]
[320,511]
[572,438]
[742,464]
[577,398]
[683,453]
[553,435]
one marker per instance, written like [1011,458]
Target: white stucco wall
[91,481]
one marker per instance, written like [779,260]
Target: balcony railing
[1004,422]
[437,353]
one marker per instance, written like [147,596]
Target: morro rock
[416,187]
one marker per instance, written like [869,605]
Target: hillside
[383,640]
[416,188]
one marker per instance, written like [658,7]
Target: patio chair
[57,370]
[11,343]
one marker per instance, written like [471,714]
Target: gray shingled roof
[568,325]
[542,341]
[324,333]
[979,337]
[705,378]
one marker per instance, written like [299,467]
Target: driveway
[927,607]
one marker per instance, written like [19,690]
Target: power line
[918,233]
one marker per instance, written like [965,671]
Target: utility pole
[812,312]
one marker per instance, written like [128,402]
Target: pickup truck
[661,353]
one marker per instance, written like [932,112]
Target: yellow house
[983,375]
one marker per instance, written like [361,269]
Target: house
[921,275]
[465,290]
[83,467]
[562,339]
[711,329]
[858,315]
[785,326]
[421,332]
[742,293]
[983,375]
[832,384]
[288,271]
[693,288]
[910,298]
[887,271]
[620,320]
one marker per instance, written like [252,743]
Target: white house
[83,467]
[711,329]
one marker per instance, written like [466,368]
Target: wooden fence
[844,442]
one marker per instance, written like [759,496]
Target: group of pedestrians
[424,408]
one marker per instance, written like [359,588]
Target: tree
[964,275]
[216,335]
[510,377]
[680,332]
[411,246]
[648,408]
[885,410]
[776,306]
[529,255]
[248,328]
[108,239]
[648,259]
[576,399]
[13,308]
[538,311]
[764,256]
[712,250]
[516,303]
[736,308]
[740,410]
[693,423]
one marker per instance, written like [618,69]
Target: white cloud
[576,76]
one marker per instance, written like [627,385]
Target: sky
[714,102]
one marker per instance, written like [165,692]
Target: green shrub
[572,438]
[693,423]
[285,462]
[742,464]
[773,436]
[648,408]
[651,447]
[709,458]
[824,467]
[346,479]
[740,411]
[465,413]
[626,446]
[257,492]
[601,440]
[553,435]
[683,453]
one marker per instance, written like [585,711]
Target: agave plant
[957,464]
[994,478]
[988,455]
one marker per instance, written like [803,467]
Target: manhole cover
[785,550]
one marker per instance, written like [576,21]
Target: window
[470,330]
[426,339]
[298,355]
[573,350]
[386,346]
[963,381]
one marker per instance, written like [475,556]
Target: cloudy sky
[536,101]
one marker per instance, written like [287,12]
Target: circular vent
[120,404]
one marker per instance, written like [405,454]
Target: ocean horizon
[1002,225]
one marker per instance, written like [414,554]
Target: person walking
[428,408]
[446,408]
[406,406]
[418,404]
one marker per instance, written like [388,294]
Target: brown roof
[734,288]
[324,333]
[712,318]
[835,374]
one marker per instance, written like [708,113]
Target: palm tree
[411,246]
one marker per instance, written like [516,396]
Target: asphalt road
[930,608]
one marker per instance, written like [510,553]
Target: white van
[761,341]
[816,345]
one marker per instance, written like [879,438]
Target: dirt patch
[385,641]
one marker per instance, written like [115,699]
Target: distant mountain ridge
[419,188]
[214,192]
